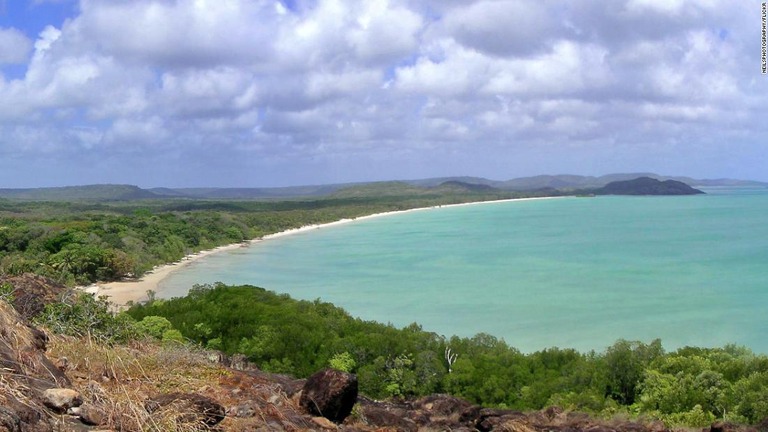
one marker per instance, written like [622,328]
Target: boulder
[92,415]
[189,408]
[330,393]
[61,399]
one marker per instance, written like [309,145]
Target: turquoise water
[567,272]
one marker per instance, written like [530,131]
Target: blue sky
[267,93]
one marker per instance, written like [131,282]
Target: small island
[646,186]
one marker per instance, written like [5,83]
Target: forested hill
[646,186]
[561,183]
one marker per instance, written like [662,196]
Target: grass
[120,379]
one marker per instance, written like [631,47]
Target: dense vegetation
[82,242]
[689,386]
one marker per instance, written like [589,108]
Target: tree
[625,362]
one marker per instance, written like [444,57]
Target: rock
[92,415]
[239,362]
[31,413]
[189,408]
[762,426]
[324,423]
[381,418]
[496,419]
[330,393]
[22,352]
[442,404]
[9,420]
[242,410]
[61,399]
[722,426]
[32,292]
[62,364]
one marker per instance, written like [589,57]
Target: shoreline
[120,293]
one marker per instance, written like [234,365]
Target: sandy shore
[121,293]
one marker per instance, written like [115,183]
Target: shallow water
[569,272]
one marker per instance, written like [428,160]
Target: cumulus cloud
[183,33]
[14,46]
[424,87]
[504,28]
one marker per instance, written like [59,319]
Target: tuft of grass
[119,379]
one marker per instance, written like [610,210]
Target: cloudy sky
[289,92]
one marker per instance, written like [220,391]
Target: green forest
[80,242]
[691,386]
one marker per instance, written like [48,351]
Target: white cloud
[384,32]
[258,82]
[209,92]
[183,33]
[503,28]
[14,46]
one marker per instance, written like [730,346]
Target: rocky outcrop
[330,393]
[25,373]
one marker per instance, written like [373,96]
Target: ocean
[569,272]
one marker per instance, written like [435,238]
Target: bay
[569,272]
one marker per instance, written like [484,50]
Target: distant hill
[399,188]
[565,183]
[569,182]
[646,186]
[249,193]
[462,187]
[103,192]
[394,188]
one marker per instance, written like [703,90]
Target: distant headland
[647,186]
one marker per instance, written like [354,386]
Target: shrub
[154,326]
[81,314]
[343,362]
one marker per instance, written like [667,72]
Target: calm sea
[567,272]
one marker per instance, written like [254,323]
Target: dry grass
[13,330]
[120,379]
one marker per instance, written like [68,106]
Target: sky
[260,93]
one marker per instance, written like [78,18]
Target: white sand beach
[123,292]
